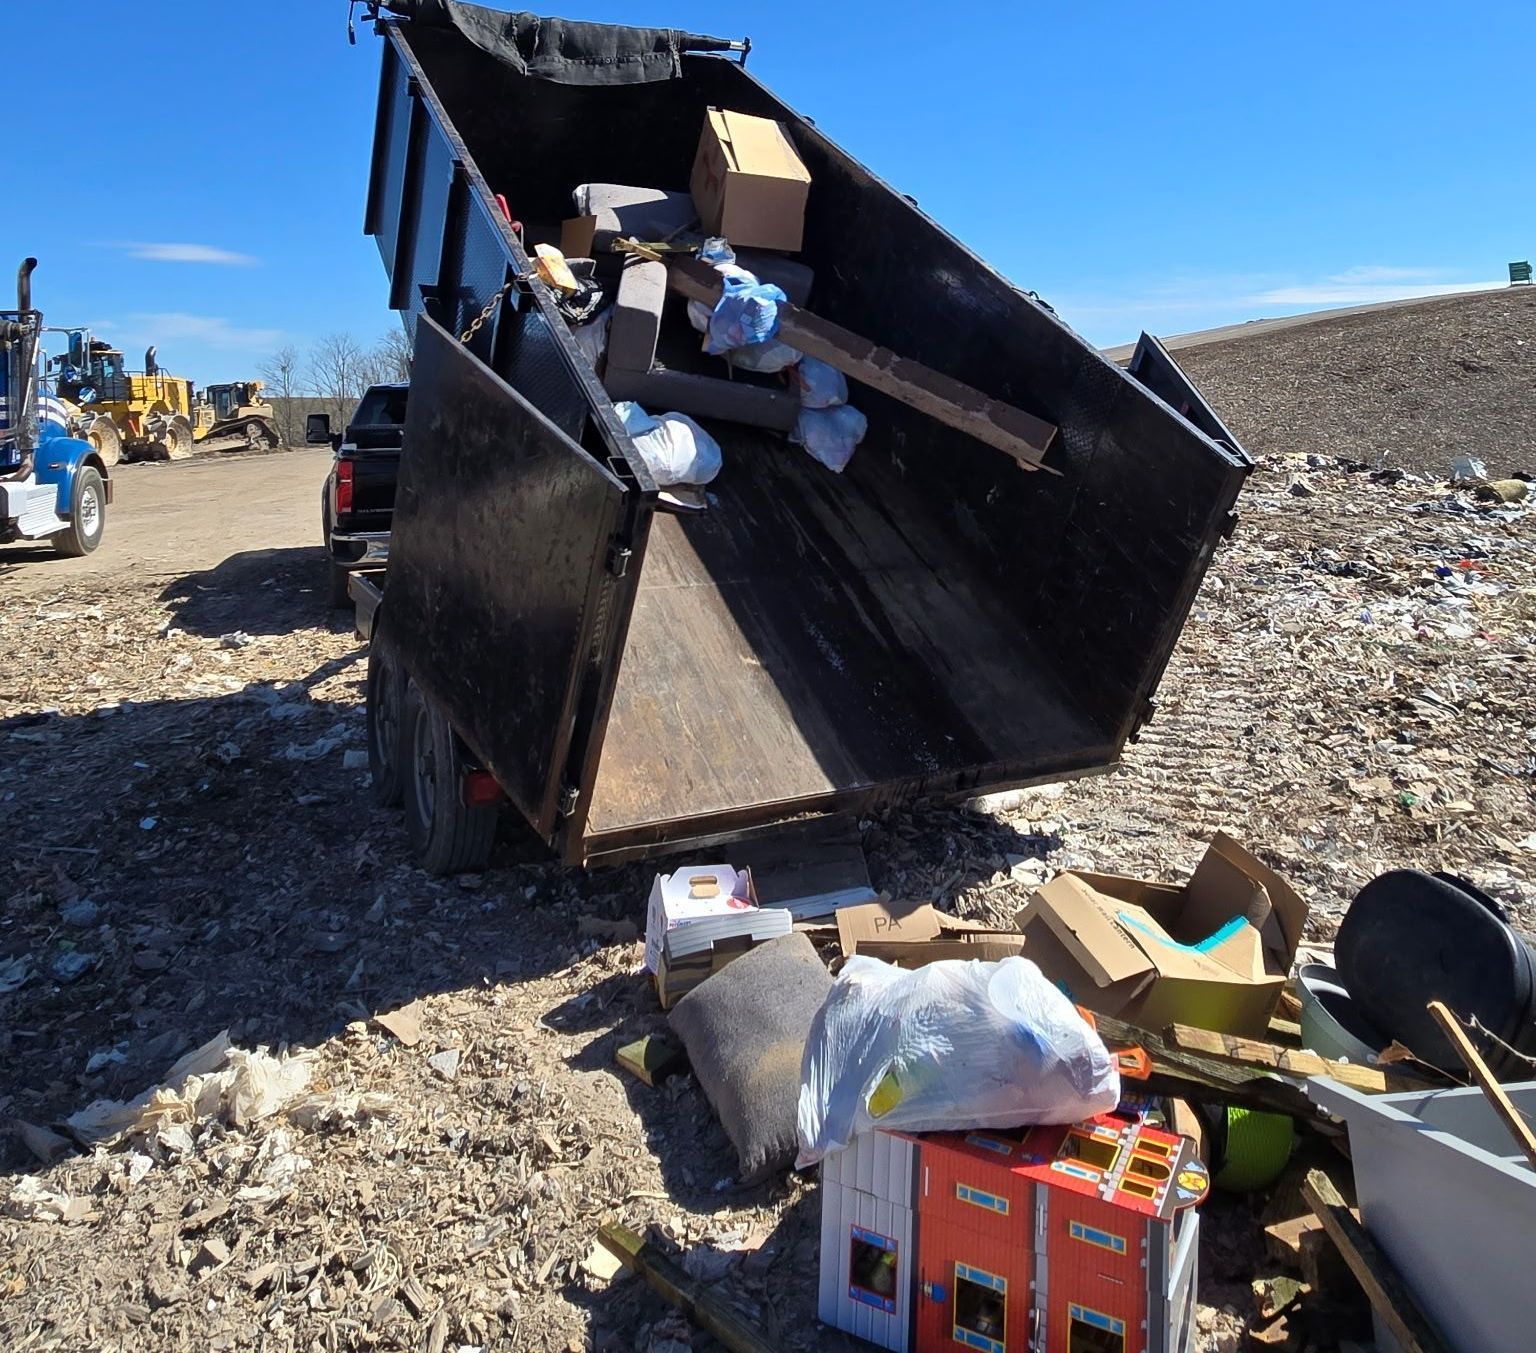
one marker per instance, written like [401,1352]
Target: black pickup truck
[357,501]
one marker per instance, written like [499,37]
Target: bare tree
[392,355]
[339,371]
[281,373]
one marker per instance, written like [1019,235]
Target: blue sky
[1171,167]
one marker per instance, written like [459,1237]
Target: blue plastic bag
[819,385]
[746,313]
[830,434]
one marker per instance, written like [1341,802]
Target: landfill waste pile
[1350,696]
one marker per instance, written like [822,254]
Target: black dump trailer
[934,622]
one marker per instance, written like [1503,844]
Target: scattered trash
[445,1063]
[71,966]
[1504,490]
[819,384]
[912,936]
[952,1045]
[215,1082]
[746,314]
[404,1023]
[30,1200]
[354,758]
[79,912]
[14,973]
[1468,470]
[42,1142]
[236,639]
[652,1059]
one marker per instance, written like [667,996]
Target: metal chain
[490,305]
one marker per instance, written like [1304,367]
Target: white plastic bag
[819,384]
[676,450]
[830,434]
[953,1045]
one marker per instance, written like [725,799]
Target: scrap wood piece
[953,403]
[1487,1082]
[1177,1071]
[1293,1061]
[652,1058]
[688,1294]
[1388,1294]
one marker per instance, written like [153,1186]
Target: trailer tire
[448,835]
[384,708]
[87,515]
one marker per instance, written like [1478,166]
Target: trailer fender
[59,459]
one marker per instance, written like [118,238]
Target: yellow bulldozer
[150,414]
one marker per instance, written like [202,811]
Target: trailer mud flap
[500,516]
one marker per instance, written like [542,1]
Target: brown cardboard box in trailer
[911,935]
[1214,952]
[748,184]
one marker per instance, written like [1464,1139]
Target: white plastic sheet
[953,1045]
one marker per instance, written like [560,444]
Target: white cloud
[188,253]
[209,331]
[1338,291]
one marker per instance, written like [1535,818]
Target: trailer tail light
[344,469]
[480,789]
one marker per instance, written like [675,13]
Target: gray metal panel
[497,559]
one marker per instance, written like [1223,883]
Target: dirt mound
[1410,386]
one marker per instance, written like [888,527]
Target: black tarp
[561,50]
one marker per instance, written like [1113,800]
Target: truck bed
[813,634]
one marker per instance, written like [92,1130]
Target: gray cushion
[637,309]
[745,1030]
[664,391]
[793,276]
[645,213]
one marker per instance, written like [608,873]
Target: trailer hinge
[1229,526]
[569,797]
[619,556]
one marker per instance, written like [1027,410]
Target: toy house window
[1147,1169]
[872,1269]
[1090,1331]
[977,1198]
[981,1309]
[1091,1235]
[1095,1152]
[1140,1187]
[1162,1149]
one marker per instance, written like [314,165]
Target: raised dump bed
[934,621]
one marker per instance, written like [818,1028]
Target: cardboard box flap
[1201,961]
[874,927]
[1083,923]
[1229,881]
[756,145]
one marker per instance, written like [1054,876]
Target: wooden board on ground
[1292,1061]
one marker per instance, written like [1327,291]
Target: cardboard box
[699,919]
[913,934]
[748,184]
[577,236]
[1214,952]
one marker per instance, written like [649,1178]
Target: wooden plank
[652,1058]
[690,1296]
[1388,1294]
[1292,1061]
[1512,1118]
[953,403]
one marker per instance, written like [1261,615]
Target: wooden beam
[696,1300]
[951,402]
[1209,1080]
[1388,1294]
[1512,1118]
[1293,1061]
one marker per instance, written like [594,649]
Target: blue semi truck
[53,486]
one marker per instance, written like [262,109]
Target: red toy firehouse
[1079,1239]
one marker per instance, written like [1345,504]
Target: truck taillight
[343,486]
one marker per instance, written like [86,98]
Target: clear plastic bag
[675,449]
[830,435]
[764,358]
[953,1045]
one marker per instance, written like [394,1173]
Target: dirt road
[177,516]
